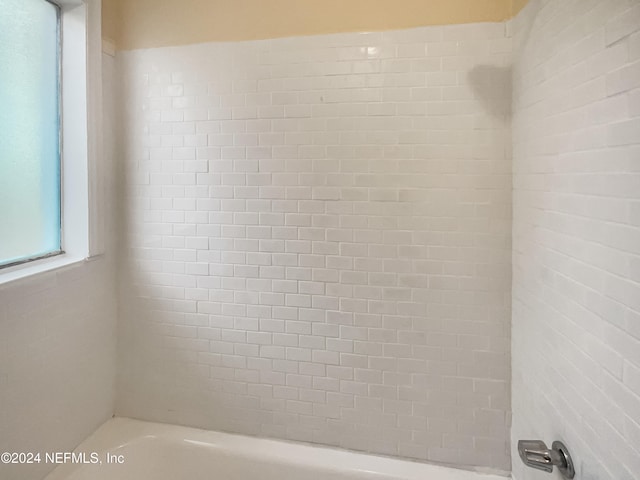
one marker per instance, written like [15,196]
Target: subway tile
[564,280]
[322,209]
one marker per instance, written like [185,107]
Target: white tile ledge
[38,267]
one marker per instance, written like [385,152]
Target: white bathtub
[152,451]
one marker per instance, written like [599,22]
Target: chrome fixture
[535,454]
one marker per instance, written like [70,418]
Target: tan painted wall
[517,5]
[110,22]
[155,23]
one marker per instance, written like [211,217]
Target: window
[50,124]
[30,225]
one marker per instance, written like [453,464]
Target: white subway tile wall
[318,240]
[576,285]
[58,345]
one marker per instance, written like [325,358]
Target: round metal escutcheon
[567,471]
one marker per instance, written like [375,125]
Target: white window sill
[20,272]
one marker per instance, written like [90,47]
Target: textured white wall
[576,233]
[58,346]
[318,240]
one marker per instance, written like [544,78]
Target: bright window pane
[29,130]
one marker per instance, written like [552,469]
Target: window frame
[80,145]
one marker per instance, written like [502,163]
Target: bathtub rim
[119,432]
